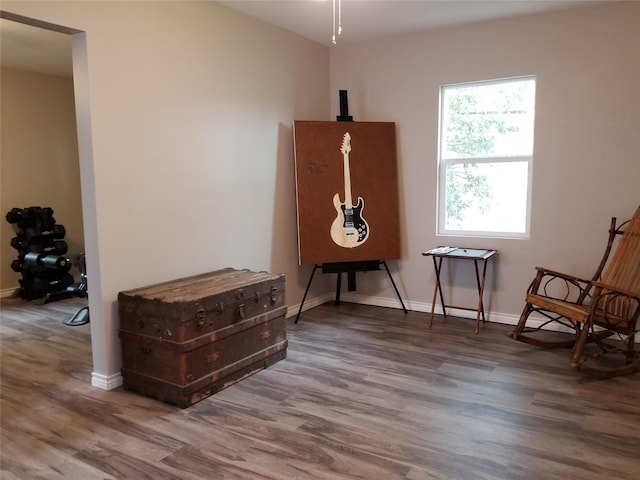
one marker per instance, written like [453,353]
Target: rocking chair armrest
[616,290]
[614,309]
[542,271]
[546,277]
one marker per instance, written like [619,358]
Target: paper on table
[442,250]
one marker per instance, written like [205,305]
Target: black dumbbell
[19,242]
[14,215]
[36,235]
[48,284]
[58,231]
[46,213]
[31,266]
[32,258]
[52,262]
[56,262]
[30,217]
[47,221]
[58,247]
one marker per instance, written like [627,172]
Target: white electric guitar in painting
[349,229]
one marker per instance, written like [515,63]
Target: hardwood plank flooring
[365,392]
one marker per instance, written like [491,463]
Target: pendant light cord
[339,22]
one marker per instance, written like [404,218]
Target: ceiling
[365,20]
[37,49]
[34,49]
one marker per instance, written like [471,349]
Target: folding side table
[455,253]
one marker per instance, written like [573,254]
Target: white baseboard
[106,382]
[308,304]
[496,317]
[8,292]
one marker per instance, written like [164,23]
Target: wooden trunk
[187,339]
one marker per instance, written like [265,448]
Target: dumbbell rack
[41,247]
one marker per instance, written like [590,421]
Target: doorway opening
[52,61]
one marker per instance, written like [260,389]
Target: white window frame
[441,229]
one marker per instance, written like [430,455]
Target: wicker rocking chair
[614,308]
[560,298]
[604,307]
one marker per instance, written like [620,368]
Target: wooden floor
[365,392]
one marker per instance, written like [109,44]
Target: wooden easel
[350,268]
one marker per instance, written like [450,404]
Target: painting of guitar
[349,229]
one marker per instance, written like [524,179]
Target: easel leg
[305,293]
[384,262]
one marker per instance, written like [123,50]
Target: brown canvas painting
[347,191]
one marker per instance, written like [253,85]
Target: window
[485,157]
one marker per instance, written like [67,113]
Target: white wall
[186,109]
[39,158]
[586,164]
